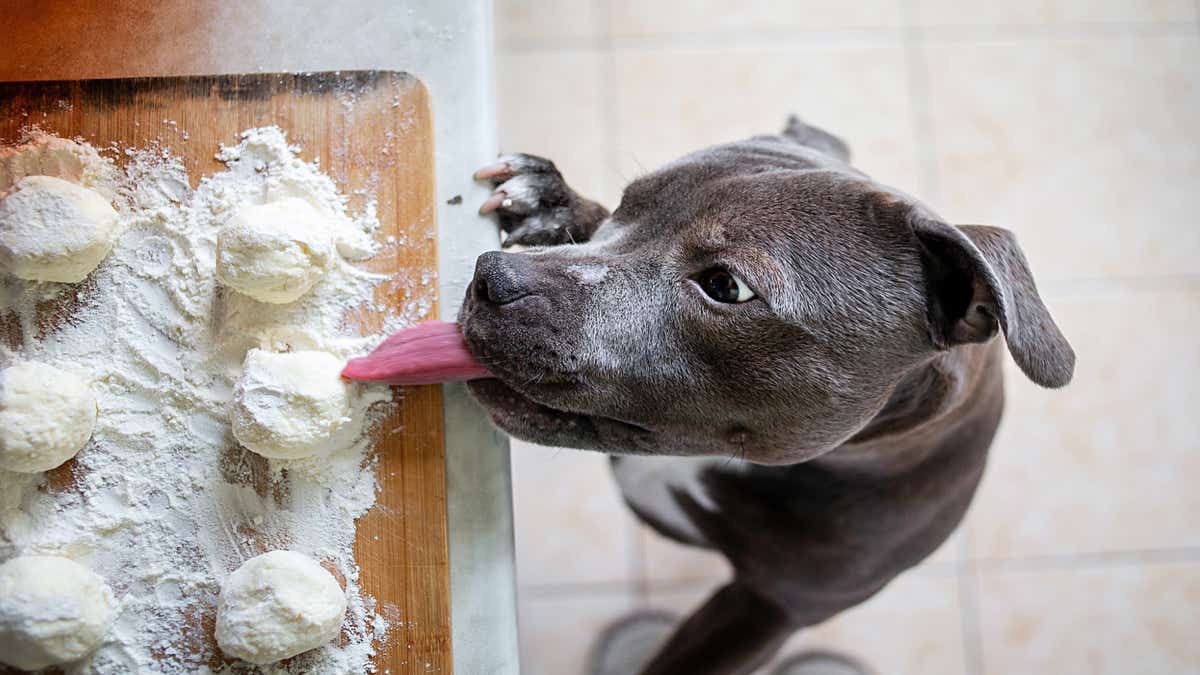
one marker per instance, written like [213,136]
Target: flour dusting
[162,502]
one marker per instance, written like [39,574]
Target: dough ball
[46,416]
[274,252]
[46,155]
[54,230]
[277,605]
[52,610]
[287,406]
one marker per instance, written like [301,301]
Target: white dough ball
[52,610]
[277,605]
[274,252]
[54,230]
[46,416]
[46,155]
[287,406]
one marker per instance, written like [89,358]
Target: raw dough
[46,155]
[46,416]
[52,610]
[277,605]
[287,406]
[54,230]
[274,252]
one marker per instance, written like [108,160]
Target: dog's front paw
[533,203]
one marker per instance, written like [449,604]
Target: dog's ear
[978,282]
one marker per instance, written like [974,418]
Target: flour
[162,502]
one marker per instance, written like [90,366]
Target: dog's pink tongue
[427,353]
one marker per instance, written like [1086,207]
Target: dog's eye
[722,285]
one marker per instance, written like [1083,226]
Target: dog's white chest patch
[648,482]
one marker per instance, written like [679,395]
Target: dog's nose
[500,278]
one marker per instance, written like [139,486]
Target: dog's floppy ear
[978,281]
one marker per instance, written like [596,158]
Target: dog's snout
[500,278]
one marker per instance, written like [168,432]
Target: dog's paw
[531,200]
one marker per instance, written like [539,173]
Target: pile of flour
[162,502]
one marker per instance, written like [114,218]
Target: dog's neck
[925,403]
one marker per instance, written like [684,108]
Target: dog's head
[730,307]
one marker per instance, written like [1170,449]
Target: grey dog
[791,364]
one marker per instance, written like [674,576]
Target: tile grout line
[970,612]
[852,36]
[1126,283]
[608,95]
[958,33]
[577,588]
[920,106]
[917,72]
[637,553]
[1087,561]
[964,554]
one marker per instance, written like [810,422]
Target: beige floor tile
[1102,621]
[1109,463]
[632,18]
[557,631]
[550,105]
[674,101]
[667,560]
[1035,12]
[1087,148]
[911,627]
[554,20]
[571,525]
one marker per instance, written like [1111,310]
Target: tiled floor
[1072,122]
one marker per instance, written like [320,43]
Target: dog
[789,363]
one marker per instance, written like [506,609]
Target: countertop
[449,46]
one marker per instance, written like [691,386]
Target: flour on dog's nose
[588,274]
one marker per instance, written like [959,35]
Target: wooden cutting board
[360,124]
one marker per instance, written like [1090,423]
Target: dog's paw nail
[494,171]
[494,202]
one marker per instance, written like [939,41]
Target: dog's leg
[735,631]
[817,139]
[534,204]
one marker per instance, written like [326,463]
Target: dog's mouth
[525,418]
[437,352]
[526,405]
